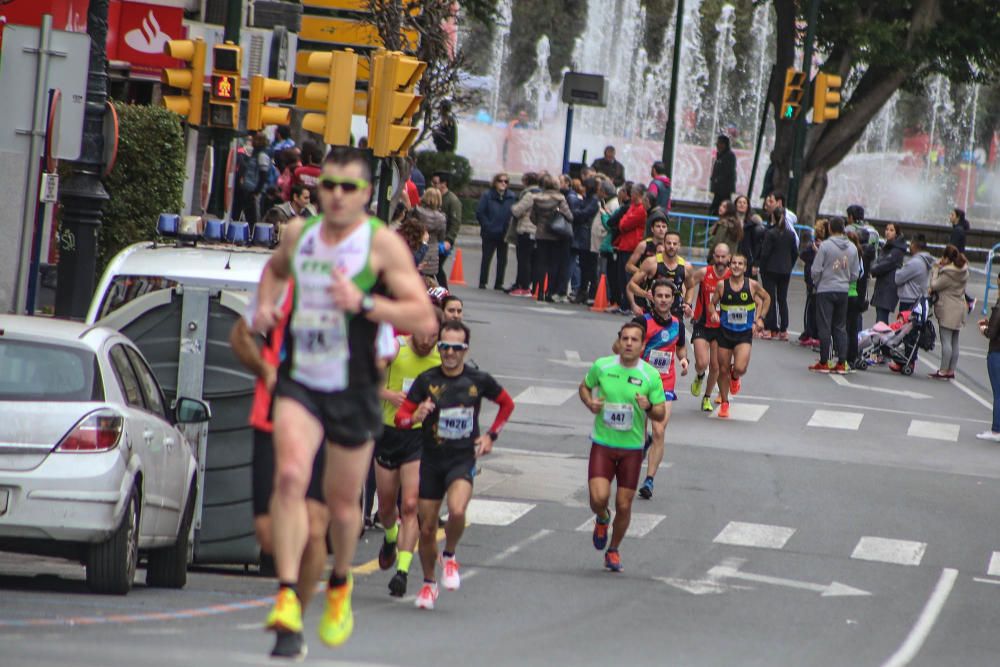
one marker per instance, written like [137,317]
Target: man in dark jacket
[722,183]
[778,255]
[885,296]
[451,206]
[493,214]
[959,229]
[610,167]
[660,185]
[752,243]
[584,211]
[445,133]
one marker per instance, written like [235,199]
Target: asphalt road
[825,524]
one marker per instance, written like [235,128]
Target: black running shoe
[387,555]
[397,585]
[646,490]
[290,646]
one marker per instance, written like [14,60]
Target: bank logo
[148,38]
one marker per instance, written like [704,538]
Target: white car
[92,464]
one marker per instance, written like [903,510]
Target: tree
[878,48]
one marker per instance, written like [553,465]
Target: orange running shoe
[724,410]
[601,533]
[734,386]
[612,560]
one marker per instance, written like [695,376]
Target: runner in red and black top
[662,343]
[446,400]
[698,294]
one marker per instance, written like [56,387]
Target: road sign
[584,89]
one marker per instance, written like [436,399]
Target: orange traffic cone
[540,295]
[457,276]
[601,298]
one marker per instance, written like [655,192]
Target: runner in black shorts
[698,294]
[447,400]
[666,265]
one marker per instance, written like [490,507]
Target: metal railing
[989,277]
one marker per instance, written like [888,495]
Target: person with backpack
[551,215]
[253,169]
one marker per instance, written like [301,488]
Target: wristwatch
[493,435]
[367,304]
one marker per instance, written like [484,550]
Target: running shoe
[387,555]
[397,585]
[696,385]
[718,399]
[706,404]
[820,367]
[989,435]
[612,560]
[841,369]
[287,612]
[337,622]
[894,367]
[290,646]
[646,490]
[734,386]
[782,335]
[601,533]
[428,596]
[724,410]
[451,579]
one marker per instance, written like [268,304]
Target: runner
[327,385]
[664,264]
[263,362]
[397,457]
[453,308]
[744,303]
[648,247]
[698,295]
[618,390]
[447,400]
[662,342]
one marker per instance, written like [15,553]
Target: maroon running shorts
[625,465]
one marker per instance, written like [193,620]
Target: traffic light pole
[800,125]
[222,139]
[382,194]
[765,110]
[670,133]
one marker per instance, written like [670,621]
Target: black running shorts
[350,418]
[398,446]
[707,334]
[439,471]
[262,469]
[728,340]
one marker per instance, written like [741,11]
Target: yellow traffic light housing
[224,103]
[794,92]
[392,103]
[259,113]
[826,97]
[336,96]
[191,79]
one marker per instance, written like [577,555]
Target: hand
[643,402]
[484,445]
[714,317]
[758,325]
[346,295]
[447,245]
[270,377]
[422,411]
[266,318]
[395,397]
[595,405]
[688,310]
[637,311]
[649,296]
[684,367]
[983,322]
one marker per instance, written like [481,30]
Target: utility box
[584,89]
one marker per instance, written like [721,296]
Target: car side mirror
[191,411]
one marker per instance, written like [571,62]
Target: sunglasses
[348,185]
[452,347]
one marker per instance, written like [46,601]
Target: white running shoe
[451,579]
[989,435]
[427,597]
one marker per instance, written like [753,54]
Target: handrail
[989,276]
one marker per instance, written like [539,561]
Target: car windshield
[37,371]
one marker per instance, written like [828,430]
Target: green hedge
[147,179]
[458,166]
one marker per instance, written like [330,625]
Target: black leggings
[776,285]
[525,250]
[553,260]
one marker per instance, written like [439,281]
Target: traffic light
[791,98]
[392,103]
[826,97]
[224,104]
[259,113]
[337,96]
[191,79]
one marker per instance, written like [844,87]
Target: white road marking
[961,387]
[925,623]
[550,396]
[525,378]
[934,430]
[640,526]
[844,382]
[530,452]
[550,311]
[995,582]
[710,584]
[743,412]
[495,512]
[759,535]
[853,406]
[508,552]
[833,589]
[884,550]
[572,360]
[994,568]
[848,421]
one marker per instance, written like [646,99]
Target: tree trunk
[811,193]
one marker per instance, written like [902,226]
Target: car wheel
[111,564]
[167,568]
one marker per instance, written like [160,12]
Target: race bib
[660,360]
[618,416]
[320,336]
[455,423]
[737,315]
[407,383]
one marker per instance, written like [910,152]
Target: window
[147,383]
[126,377]
[124,289]
[34,371]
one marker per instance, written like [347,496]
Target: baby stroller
[900,341]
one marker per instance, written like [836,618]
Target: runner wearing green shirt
[620,390]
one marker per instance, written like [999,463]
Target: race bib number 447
[618,416]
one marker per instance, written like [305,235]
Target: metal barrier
[989,277]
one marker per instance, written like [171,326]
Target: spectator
[630,230]
[282,141]
[726,229]
[599,234]
[885,297]
[614,210]
[654,214]
[990,328]
[445,133]
[949,277]
[660,185]
[959,229]
[912,278]
[552,256]
[857,303]
[753,234]
[416,175]
[451,205]
[584,212]
[778,255]
[291,159]
[834,269]
[809,247]
[298,204]
[252,171]
[308,172]
[722,182]
[430,217]
[778,199]
[524,237]
[416,237]
[493,214]
[610,167]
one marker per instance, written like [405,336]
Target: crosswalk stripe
[848,421]
[934,430]
[994,567]
[760,535]
[744,412]
[885,550]
[495,512]
[640,526]
[551,396]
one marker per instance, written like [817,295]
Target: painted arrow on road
[572,360]
[843,382]
[833,589]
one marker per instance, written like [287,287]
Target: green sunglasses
[348,185]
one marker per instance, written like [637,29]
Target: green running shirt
[622,423]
